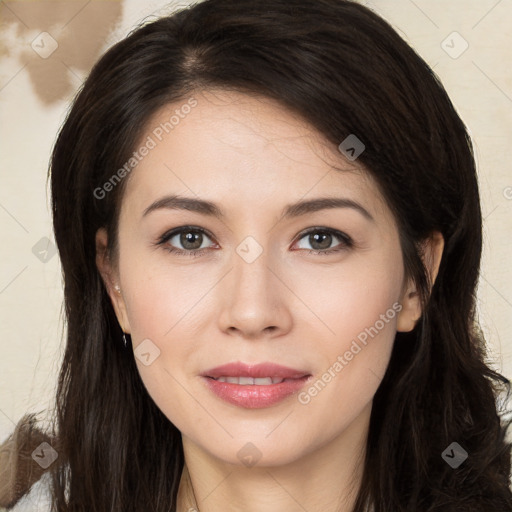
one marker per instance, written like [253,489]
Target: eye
[189,237]
[192,238]
[322,238]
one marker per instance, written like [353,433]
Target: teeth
[244,381]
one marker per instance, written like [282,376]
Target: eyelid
[331,231]
[347,241]
[176,231]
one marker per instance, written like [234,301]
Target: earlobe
[432,251]
[411,310]
[110,279]
[433,248]
[102,262]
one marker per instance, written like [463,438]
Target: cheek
[360,308]
[167,306]
[172,305]
[345,311]
[346,303]
[162,298]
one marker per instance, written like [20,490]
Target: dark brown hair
[345,71]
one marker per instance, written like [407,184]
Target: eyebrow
[201,206]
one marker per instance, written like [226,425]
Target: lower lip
[252,396]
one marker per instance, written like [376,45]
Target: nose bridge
[254,302]
[252,273]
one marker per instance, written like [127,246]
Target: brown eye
[321,240]
[324,240]
[191,240]
[184,240]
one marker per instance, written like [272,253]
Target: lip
[252,396]
[239,369]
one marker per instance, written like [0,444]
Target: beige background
[35,92]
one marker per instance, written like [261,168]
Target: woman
[269,225]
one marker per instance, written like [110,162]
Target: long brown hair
[346,71]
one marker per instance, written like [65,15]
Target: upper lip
[261,370]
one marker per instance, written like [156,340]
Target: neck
[325,480]
[186,499]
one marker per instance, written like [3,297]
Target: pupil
[189,238]
[326,237]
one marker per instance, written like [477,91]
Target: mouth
[254,386]
[261,374]
[248,381]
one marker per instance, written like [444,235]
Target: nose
[255,305]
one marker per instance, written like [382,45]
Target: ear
[110,277]
[432,251]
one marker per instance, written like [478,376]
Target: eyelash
[346,241]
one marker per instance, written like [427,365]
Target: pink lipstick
[254,386]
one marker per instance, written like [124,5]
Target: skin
[253,157]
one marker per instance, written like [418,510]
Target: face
[319,290]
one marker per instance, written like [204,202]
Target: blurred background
[47,49]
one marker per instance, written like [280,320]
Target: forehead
[226,144]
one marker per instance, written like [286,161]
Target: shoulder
[38,499]
[24,485]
